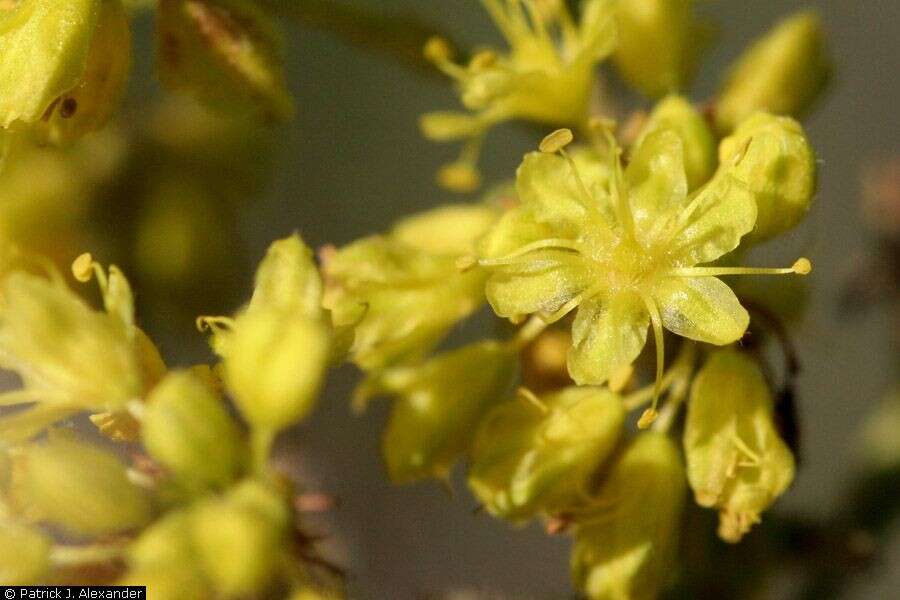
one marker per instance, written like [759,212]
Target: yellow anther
[83,267]
[483,60]
[647,418]
[802,266]
[437,50]
[556,141]
[459,177]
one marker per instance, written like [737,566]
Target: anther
[483,60]
[556,141]
[83,267]
[647,418]
[437,50]
[802,266]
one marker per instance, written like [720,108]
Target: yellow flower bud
[658,44]
[226,53]
[781,73]
[274,366]
[736,461]
[82,488]
[626,549]
[677,114]
[773,158]
[449,230]
[538,454]
[237,545]
[288,279]
[66,352]
[24,554]
[163,559]
[90,104]
[187,428]
[438,405]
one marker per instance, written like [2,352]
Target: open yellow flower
[621,246]
[546,77]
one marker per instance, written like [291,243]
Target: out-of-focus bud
[315,593]
[773,158]
[83,488]
[880,442]
[448,230]
[274,366]
[438,405]
[736,461]
[677,114]
[238,543]
[659,43]
[24,554]
[227,53]
[782,73]
[287,279]
[61,347]
[163,559]
[186,428]
[404,291]
[90,104]
[537,455]
[626,550]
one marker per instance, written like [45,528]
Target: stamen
[566,308]
[801,266]
[466,262]
[83,267]
[651,413]
[528,396]
[210,323]
[438,52]
[557,243]
[556,141]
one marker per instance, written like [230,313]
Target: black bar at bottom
[73,592]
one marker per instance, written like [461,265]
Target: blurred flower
[736,461]
[880,442]
[227,53]
[81,487]
[627,548]
[781,73]
[546,77]
[24,554]
[438,405]
[71,85]
[538,455]
[403,291]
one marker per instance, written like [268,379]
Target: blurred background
[189,204]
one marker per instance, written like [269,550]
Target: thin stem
[527,333]
[261,441]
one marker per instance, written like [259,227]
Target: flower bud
[58,344]
[437,406]
[450,230]
[237,546]
[782,73]
[90,104]
[227,53]
[163,559]
[187,428]
[658,44]
[539,456]
[678,115]
[274,366]
[401,298]
[24,554]
[771,156]
[82,488]
[44,44]
[627,549]
[736,461]
[288,279]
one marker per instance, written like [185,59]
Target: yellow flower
[546,77]
[736,461]
[538,454]
[622,248]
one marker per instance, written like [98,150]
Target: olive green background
[353,161]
